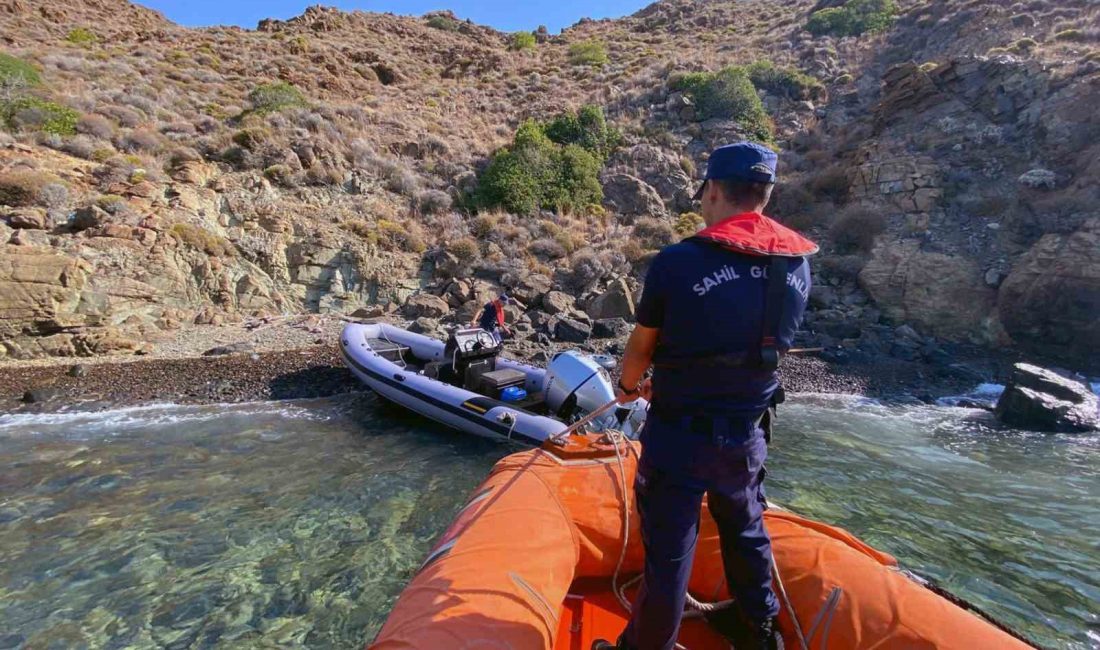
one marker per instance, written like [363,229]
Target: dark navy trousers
[683,458]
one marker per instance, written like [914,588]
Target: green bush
[688,224]
[446,23]
[274,97]
[537,172]
[593,53]
[728,93]
[854,18]
[587,128]
[17,72]
[787,82]
[30,113]
[522,41]
[82,36]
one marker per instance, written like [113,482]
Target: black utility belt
[746,360]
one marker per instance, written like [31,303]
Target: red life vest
[754,234]
[500,312]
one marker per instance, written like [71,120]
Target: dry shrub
[433,201]
[466,250]
[203,240]
[832,183]
[96,126]
[139,141]
[547,248]
[856,229]
[653,233]
[24,187]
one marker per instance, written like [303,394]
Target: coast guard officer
[717,312]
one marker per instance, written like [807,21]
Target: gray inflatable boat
[464,383]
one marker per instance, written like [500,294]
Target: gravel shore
[177,373]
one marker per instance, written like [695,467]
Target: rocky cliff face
[948,166]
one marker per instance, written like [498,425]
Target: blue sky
[505,15]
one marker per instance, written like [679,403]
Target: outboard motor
[578,384]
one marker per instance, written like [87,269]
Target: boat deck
[591,612]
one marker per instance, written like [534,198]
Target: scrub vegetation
[728,94]
[551,165]
[854,18]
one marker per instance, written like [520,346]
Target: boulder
[941,294]
[822,296]
[610,328]
[232,348]
[1043,400]
[556,302]
[425,304]
[89,216]
[458,293]
[42,395]
[427,327]
[28,218]
[530,288]
[631,197]
[370,311]
[615,302]
[194,172]
[659,168]
[1050,300]
[570,330]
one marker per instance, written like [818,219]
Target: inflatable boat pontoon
[465,383]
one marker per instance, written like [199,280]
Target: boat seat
[389,350]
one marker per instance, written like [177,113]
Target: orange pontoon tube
[528,563]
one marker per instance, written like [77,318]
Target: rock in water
[1041,399]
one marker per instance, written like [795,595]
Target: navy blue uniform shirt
[708,300]
[488,319]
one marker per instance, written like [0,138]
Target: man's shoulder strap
[775,297]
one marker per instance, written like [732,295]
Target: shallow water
[297,524]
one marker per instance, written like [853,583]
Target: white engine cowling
[578,384]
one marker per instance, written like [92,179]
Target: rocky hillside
[153,176]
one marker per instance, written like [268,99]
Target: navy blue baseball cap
[744,160]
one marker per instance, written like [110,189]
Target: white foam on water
[148,415]
[988,390]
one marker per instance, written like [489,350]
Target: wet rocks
[1041,399]
[42,395]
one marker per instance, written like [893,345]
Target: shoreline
[317,370]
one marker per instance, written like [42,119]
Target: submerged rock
[1041,399]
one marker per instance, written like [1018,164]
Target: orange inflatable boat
[529,563]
